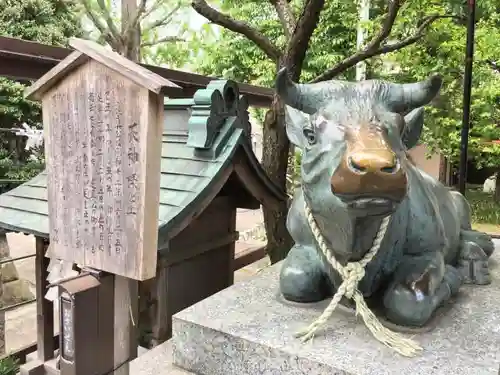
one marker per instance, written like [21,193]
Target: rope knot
[352,274]
[354,271]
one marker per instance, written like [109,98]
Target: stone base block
[35,367]
[157,361]
[248,329]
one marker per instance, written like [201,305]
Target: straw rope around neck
[351,274]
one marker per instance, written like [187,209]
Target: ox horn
[307,98]
[407,96]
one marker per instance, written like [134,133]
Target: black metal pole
[469,56]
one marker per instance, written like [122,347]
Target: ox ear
[414,123]
[295,122]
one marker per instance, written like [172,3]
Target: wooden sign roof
[85,50]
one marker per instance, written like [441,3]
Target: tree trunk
[275,157]
[275,162]
[131,46]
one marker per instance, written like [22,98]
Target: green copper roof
[200,138]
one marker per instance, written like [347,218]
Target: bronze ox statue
[363,202]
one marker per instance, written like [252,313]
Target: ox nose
[370,173]
[366,162]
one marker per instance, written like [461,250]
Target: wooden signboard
[103,120]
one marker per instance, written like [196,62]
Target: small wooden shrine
[208,170]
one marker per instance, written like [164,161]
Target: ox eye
[310,135]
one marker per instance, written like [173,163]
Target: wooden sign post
[103,120]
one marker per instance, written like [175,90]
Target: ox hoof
[298,285]
[473,264]
[403,309]
[474,271]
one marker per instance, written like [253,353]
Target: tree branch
[140,11]
[162,40]
[90,13]
[164,20]
[106,13]
[299,42]
[373,49]
[202,8]
[286,16]
[387,24]
[154,7]
[106,34]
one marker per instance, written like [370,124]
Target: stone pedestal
[248,329]
[157,361]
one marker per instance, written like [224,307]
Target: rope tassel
[399,343]
[351,274]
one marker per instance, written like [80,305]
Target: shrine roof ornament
[215,111]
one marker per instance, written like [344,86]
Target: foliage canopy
[45,21]
[440,49]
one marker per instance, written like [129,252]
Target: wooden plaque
[103,152]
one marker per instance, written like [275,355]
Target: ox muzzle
[370,177]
